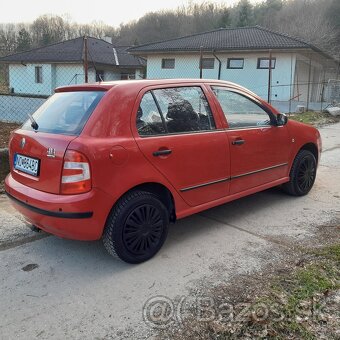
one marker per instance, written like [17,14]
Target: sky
[110,12]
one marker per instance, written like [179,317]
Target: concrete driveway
[54,288]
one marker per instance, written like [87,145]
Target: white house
[41,70]
[299,70]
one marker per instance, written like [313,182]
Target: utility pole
[201,62]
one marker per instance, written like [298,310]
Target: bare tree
[7,38]
[314,21]
[308,20]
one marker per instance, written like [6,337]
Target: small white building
[299,70]
[39,71]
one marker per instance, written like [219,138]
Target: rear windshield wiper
[34,124]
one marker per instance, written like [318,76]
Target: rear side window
[185,109]
[149,120]
[66,112]
[174,110]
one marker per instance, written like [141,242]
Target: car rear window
[65,112]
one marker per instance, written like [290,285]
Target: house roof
[71,51]
[244,38]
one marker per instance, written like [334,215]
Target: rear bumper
[78,217]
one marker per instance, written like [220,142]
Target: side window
[239,110]
[168,63]
[148,120]
[185,109]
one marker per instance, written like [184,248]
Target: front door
[259,150]
[177,133]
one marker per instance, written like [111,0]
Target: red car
[121,160]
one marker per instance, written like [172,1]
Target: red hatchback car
[121,160]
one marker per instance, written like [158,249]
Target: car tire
[136,227]
[302,174]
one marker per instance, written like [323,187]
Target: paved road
[54,288]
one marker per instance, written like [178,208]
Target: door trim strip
[205,184]
[260,170]
[232,177]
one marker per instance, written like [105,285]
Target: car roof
[140,84]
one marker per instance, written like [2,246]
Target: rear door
[178,133]
[259,150]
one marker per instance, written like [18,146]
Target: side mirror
[281,119]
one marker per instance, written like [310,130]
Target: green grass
[300,288]
[309,117]
[331,252]
[314,118]
[306,284]
[295,301]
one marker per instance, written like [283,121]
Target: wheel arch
[312,148]
[160,190]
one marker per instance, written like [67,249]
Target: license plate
[26,164]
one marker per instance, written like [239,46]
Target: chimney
[108,39]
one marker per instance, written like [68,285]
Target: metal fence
[290,81]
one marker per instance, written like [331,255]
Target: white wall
[22,79]
[187,66]
[69,74]
[111,75]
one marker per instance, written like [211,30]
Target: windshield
[66,112]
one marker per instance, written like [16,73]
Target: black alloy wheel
[302,174]
[136,227]
[143,229]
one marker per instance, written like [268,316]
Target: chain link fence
[295,82]
[25,87]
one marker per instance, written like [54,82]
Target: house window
[235,63]
[127,76]
[208,63]
[38,74]
[263,63]
[168,63]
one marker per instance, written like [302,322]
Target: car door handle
[238,142]
[161,153]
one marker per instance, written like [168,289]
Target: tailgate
[36,159]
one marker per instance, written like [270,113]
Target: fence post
[322,89]
[270,76]
[308,85]
[291,83]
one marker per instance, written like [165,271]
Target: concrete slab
[13,226]
[59,289]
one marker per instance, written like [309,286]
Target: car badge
[22,143]
[51,152]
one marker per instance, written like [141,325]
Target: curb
[4,165]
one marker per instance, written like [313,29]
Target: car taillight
[76,175]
